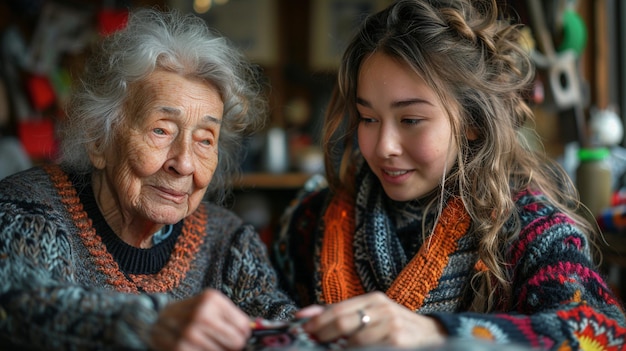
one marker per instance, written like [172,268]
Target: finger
[169,330]
[162,338]
[219,334]
[337,320]
[169,334]
[219,304]
[345,318]
[372,332]
[309,311]
[223,322]
[227,336]
[194,340]
[209,321]
[396,326]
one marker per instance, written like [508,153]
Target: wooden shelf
[271,181]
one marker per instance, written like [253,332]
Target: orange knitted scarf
[339,277]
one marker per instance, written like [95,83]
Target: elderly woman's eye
[158,131]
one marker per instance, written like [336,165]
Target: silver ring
[364,319]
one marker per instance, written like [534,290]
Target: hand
[390,324]
[209,321]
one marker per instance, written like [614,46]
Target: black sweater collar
[132,260]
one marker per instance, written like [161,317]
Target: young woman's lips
[395,176]
[172,195]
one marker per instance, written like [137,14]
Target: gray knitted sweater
[67,282]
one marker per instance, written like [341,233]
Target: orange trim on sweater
[339,277]
[421,275]
[185,249]
[180,261]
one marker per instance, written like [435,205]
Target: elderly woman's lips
[171,194]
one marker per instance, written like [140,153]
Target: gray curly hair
[176,42]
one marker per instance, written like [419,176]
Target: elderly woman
[113,247]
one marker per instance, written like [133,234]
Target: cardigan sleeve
[560,301]
[251,281]
[41,304]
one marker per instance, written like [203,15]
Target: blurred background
[578,95]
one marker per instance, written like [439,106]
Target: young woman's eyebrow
[396,104]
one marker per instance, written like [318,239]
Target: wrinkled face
[404,133]
[159,168]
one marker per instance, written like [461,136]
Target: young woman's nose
[389,143]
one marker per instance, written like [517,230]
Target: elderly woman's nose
[181,159]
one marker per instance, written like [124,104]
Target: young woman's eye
[366,120]
[411,121]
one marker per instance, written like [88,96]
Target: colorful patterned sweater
[68,282]
[560,302]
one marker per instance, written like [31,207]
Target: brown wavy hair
[475,62]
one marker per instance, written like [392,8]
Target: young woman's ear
[471,133]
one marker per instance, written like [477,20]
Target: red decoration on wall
[111,20]
[41,93]
[38,138]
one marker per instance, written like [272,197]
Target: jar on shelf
[594,179]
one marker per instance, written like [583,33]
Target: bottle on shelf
[594,179]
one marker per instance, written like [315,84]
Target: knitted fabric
[559,300]
[340,280]
[63,290]
[166,279]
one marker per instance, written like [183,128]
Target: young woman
[438,223]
